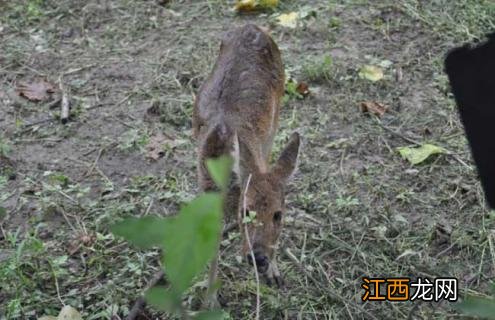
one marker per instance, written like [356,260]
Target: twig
[65,104]
[141,302]
[53,103]
[98,156]
[71,71]
[57,288]
[341,164]
[251,252]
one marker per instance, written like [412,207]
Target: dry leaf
[372,73]
[303,89]
[374,107]
[36,91]
[288,20]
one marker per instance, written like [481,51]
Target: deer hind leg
[216,142]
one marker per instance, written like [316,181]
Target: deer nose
[261,260]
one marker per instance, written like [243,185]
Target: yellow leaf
[245,5]
[420,154]
[251,5]
[268,3]
[372,73]
[288,20]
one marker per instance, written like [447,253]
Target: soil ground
[355,207]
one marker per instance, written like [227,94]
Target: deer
[236,113]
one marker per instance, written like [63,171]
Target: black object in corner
[471,72]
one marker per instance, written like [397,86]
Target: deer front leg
[273,276]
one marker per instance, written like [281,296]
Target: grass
[355,207]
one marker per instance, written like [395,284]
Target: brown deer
[236,112]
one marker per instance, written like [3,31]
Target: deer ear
[286,164]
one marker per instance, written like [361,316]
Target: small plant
[319,69]
[346,202]
[4,148]
[291,90]
[190,240]
[133,139]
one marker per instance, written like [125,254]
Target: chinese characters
[403,289]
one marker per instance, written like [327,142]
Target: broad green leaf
[479,307]
[143,232]
[163,299]
[288,20]
[419,154]
[211,315]
[3,212]
[192,239]
[220,169]
[372,73]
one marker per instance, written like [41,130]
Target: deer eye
[277,216]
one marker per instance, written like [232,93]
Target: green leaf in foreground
[192,240]
[420,154]
[211,315]
[163,299]
[143,232]
[220,169]
[477,306]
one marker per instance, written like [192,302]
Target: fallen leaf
[303,89]
[288,20]
[69,313]
[419,154]
[245,5]
[268,4]
[36,91]
[48,318]
[252,5]
[373,107]
[372,73]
